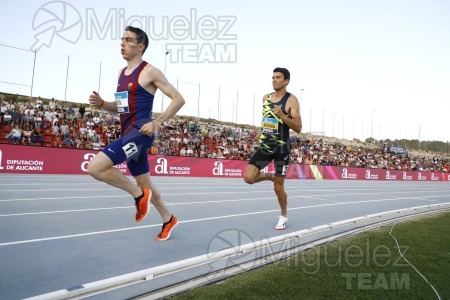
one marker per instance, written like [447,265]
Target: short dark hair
[285,72]
[141,36]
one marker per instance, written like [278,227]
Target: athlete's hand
[150,128]
[277,111]
[95,99]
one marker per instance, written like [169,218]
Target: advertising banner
[48,160]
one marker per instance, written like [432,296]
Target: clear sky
[358,67]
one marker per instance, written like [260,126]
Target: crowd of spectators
[52,125]
[81,127]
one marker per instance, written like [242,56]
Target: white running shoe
[281,223]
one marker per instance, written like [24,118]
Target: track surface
[61,231]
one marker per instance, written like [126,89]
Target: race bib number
[130,149]
[269,125]
[122,102]
[285,170]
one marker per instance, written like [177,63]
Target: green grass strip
[366,266]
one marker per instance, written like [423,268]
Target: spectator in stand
[56,119]
[79,120]
[84,141]
[116,131]
[68,139]
[94,140]
[93,136]
[220,154]
[64,127]
[55,129]
[7,118]
[57,143]
[96,120]
[16,117]
[10,106]
[70,112]
[161,149]
[82,127]
[49,115]
[202,153]
[190,151]
[28,116]
[104,126]
[26,137]
[2,110]
[183,151]
[82,111]
[36,136]
[22,107]
[39,103]
[109,137]
[15,135]
[32,111]
[153,149]
[52,104]
[91,131]
[90,123]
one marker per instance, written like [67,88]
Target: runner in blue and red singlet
[137,85]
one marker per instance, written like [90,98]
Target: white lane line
[234,187]
[110,196]
[110,189]
[66,211]
[208,202]
[75,235]
[127,207]
[334,194]
[66,198]
[47,182]
[187,221]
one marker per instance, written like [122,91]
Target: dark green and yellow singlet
[274,132]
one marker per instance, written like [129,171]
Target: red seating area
[4,131]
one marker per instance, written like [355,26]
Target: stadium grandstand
[54,123]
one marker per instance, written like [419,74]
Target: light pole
[419,136]
[165,64]
[371,130]
[253,123]
[310,121]
[334,120]
[237,102]
[300,100]
[218,107]
[353,128]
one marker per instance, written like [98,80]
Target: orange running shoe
[143,205]
[167,229]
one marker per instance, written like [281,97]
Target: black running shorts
[262,158]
